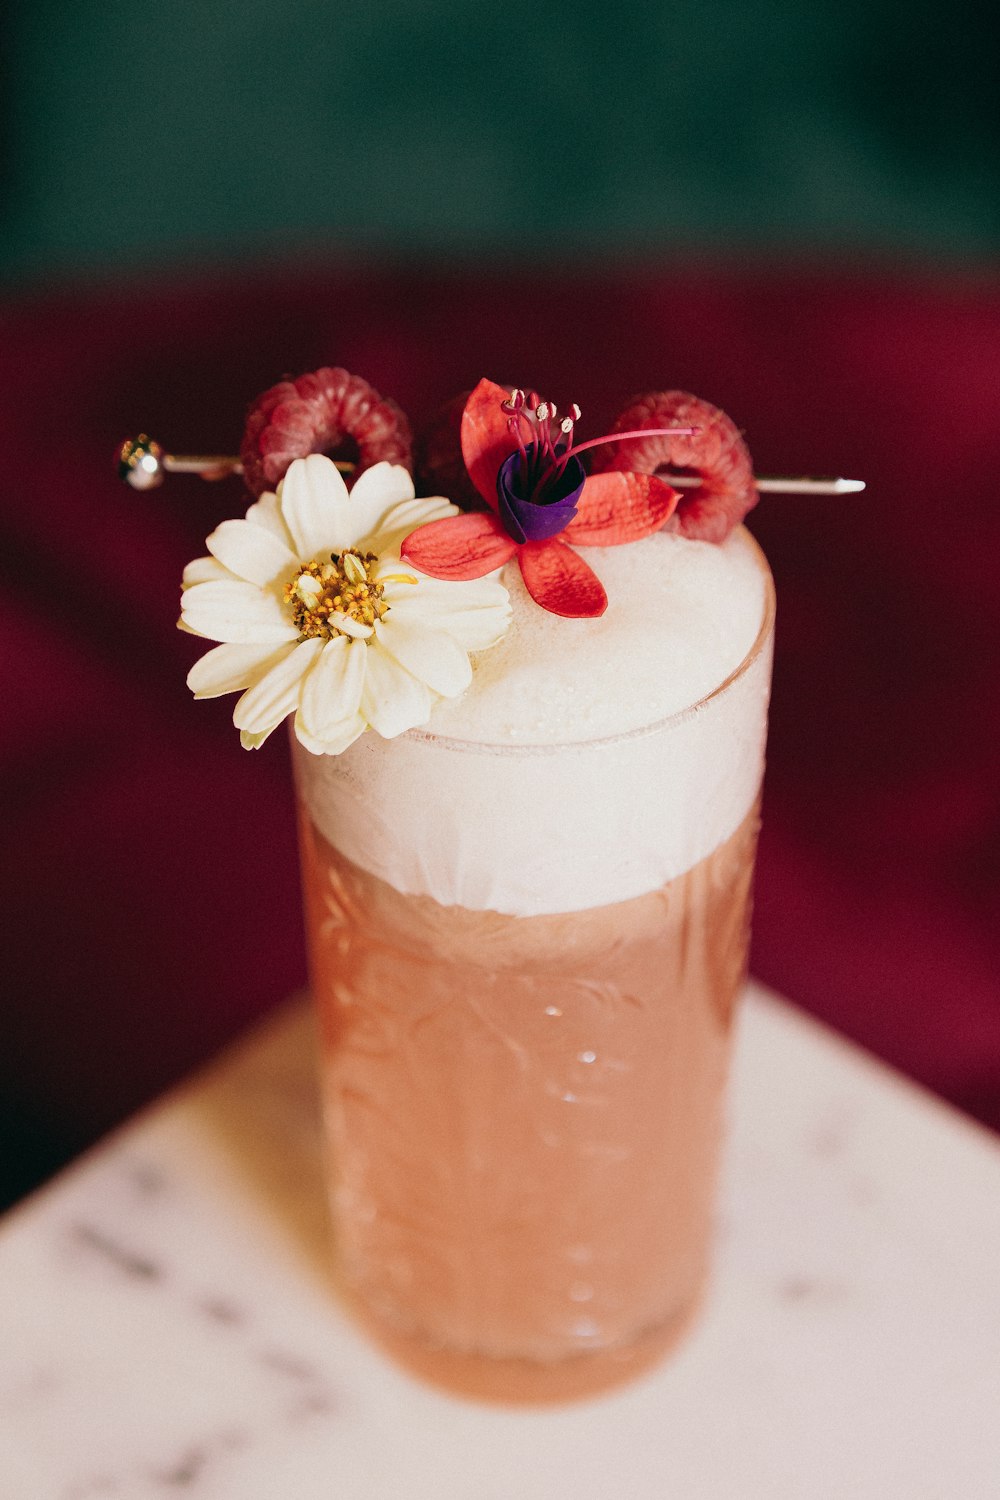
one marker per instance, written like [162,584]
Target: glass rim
[659,726]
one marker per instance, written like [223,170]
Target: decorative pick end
[140,463]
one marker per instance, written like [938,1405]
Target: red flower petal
[459,547]
[486,439]
[619,507]
[560,581]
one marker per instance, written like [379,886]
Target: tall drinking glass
[526,960]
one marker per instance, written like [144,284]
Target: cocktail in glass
[526,959]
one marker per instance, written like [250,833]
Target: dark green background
[188,132]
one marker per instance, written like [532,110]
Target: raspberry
[716,454]
[314,414]
[440,466]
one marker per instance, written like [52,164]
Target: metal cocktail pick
[143,464]
[780,484]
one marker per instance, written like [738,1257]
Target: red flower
[505,431]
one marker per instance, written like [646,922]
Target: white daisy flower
[318,616]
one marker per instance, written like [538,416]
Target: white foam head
[591,760]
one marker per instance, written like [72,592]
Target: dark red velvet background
[149,880]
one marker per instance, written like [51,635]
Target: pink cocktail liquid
[526,1113]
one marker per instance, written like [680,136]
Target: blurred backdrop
[791,209]
[183,129]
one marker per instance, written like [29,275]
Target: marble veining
[802,1288]
[168,1328]
[129,1262]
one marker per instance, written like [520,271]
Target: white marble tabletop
[167,1326]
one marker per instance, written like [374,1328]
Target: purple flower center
[540,502]
[539,485]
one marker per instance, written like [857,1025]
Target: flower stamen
[324,596]
[549,446]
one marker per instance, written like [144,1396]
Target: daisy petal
[316,507]
[232,610]
[357,629]
[334,744]
[251,552]
[266,512]
[378,489]
[254,741]
[397,523]
[332,691]
[392,700]
[486,438]
[461,547]
[231,668]
[430,655]
[560,581]
[263,706]
[473,629]
[203,570]
[620,507]
[476,614]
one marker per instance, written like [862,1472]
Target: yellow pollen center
[343,586]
